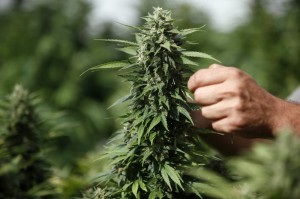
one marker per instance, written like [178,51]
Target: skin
[233,103]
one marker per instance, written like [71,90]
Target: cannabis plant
[23,172]
[271,170]
[155,146]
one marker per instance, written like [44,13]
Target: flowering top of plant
[156,146]
[23,171]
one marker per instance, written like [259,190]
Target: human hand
[233,102]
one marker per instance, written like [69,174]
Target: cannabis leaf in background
[23,171]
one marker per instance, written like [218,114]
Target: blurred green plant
[271,170]
[24,172]
[267,45]
[30,156]
[268,171]
[45,45]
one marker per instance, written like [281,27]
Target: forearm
[287,117]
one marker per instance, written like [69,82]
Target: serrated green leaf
[126,186]
[189,96]
[120,101]
[117,159]
[140,133]
[195,191]
[129,154]
[145,114]
[187,61]
[147,89]
[152,137]
[191,43]
[110,65]
[129,66]
[165,177]
[164,122]
[138,119]
[143,186]
[130,50]
[146,154]
[191,30]
[160,194]
[176,96]
[185,113]
[130,26]
[172,63]
[154,122]
[175,31]
[165,101]
[166,45]
[137,37]
[174,175]
[152,195]
[135,187]
[128,77]
[199,55]
[166,68]
[119,41]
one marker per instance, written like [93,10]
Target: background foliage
[46,45]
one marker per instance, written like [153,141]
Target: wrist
[284,117]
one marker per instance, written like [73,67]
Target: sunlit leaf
[190,30]
[152,195]
[164,122]
[142,185]
[135,187]
[185,113]
[199,55]
[129,50]
[166,45]
[140,133]
[166,177]
[152,137]
[120,101]
[188,62]
[173,174]
[118,41]
[154,122]
[110,65]
[129,26]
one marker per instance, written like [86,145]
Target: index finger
[206,77]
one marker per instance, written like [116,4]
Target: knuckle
[214,66]
[236,122]
[198,76]
[197,95]
[217,127]
[238,106]
[205,112]
[195,80]
[236,89]
[222,127]
[235,73]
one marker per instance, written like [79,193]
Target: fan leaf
[199,55]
